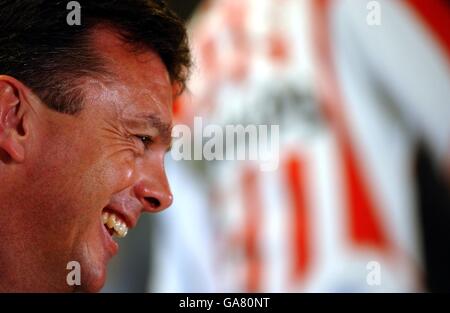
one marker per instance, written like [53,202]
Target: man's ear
[12,111]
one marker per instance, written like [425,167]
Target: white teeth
[105,217]
[114,222]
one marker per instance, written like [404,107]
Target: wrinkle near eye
[113,129]
[118,139]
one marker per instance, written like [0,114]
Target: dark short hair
[39,47]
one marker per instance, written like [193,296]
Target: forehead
[140,80]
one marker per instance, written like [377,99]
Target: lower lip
[110,245]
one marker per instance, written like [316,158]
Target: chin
[93,279]
[93,267]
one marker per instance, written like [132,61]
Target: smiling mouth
[114,224]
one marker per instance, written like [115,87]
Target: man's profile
[85,122]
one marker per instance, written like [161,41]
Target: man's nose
[154,192]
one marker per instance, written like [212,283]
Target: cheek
[113,164]
[81,176]
[106,171]
[70,181]
[94,189]
[117,172]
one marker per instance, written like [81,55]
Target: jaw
[93,249]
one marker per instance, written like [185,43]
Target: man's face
[107,158]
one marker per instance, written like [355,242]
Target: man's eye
[146,140]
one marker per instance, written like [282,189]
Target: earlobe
[13,148]
[11,130]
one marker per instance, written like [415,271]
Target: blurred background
[360,200]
